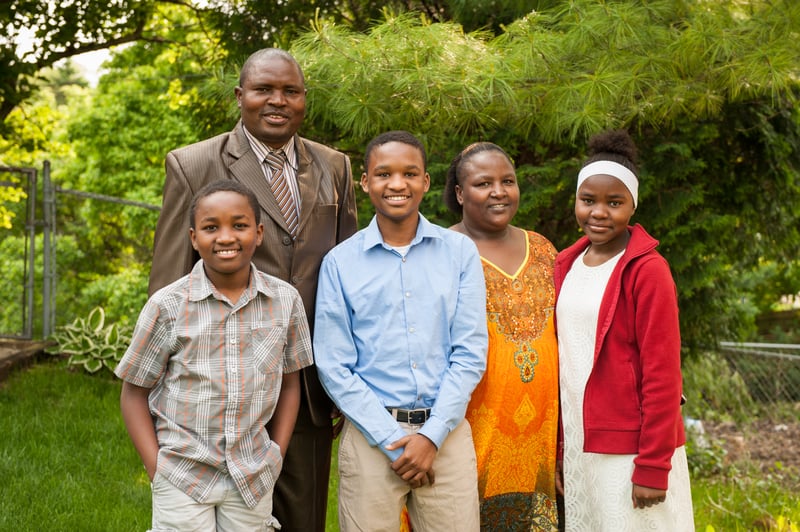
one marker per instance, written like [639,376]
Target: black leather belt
[412,417]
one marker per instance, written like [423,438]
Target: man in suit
[315,209]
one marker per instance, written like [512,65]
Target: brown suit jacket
[327,217]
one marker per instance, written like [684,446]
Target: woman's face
[488,191]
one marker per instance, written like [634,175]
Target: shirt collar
[261,149]
[200,286]
[373,237]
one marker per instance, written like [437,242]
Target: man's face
[272,100]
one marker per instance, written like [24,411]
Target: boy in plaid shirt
[212,389]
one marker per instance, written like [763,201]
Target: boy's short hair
[225,185]
[395,136]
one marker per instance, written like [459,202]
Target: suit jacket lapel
[246,168]
[308,181]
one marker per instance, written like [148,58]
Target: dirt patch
[768,447]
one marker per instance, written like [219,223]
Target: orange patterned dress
[514,409]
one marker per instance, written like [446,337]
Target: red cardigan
[632,398]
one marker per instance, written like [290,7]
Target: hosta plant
[90,343]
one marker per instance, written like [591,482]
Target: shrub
[91,344]
[715,391]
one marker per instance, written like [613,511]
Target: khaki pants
[224,511]
[371,495]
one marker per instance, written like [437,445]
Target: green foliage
[9,194]
[59,30]
[719,160]
[708,89]
[124,293]
[12,282]
[33,132]
[714,391]
[772,286]
[706,458]
[431,79]
[90,343]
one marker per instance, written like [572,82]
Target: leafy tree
[39,33]
[35,133]
[144,106]
[708,90]
[59,30]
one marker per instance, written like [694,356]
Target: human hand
[423,480]
[560,477]
[150,469]
[415,465]
[644,497]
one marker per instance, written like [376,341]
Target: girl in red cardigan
[624,464]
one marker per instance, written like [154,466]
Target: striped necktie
[275,159]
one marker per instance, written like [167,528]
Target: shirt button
[411,330]
[414,365]
[408,294]
[403,259]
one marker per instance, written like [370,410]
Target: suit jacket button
[287,241]
[295,280]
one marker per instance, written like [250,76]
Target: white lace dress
[597,487]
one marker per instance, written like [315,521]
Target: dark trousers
[301,494]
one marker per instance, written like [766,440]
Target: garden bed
[768,446]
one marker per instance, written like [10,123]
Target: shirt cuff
[436,431]
[395,454]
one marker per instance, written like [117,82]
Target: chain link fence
[744,381]
[57,267]
[17,251]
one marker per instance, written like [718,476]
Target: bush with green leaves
[715,391]
[706,458]
[90,343]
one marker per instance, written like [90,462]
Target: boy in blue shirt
[212,388]
[400,344]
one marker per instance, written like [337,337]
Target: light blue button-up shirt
[401,331]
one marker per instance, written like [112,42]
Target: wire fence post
[49,253]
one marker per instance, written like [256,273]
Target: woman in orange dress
[514,409]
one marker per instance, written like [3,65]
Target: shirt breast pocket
[269,343]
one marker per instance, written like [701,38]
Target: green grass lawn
[66,464]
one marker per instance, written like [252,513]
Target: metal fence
[18,252]
[30,282]
[770,371]
[742,381]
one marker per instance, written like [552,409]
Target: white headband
[613,169]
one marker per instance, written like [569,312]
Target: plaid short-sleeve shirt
[215,370]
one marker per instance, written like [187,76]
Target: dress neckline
[521,265]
